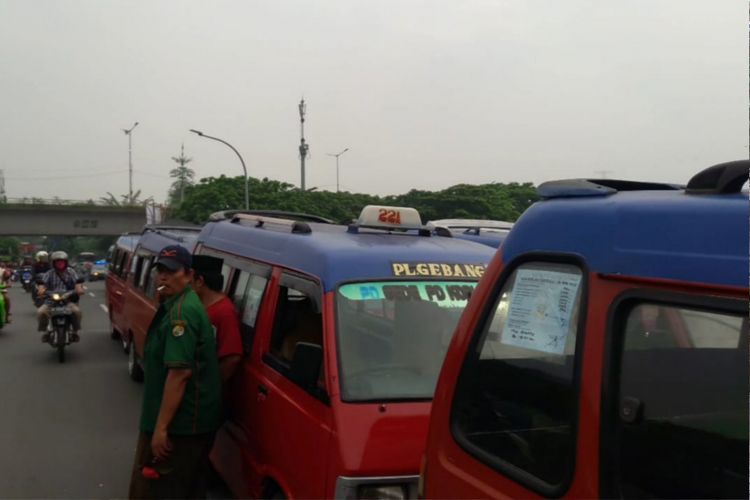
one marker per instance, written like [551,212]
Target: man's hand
[160,444]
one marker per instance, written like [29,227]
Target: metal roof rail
[260,221]
[723,178]
[277,214]
[574,188]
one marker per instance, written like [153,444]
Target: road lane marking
[92,294]
[104,308]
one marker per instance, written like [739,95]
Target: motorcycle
[27,278]
[60,325]
[3,312]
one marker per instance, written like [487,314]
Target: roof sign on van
[383,217]
[438,270]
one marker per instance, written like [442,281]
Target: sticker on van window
[540,310]
[438,270]
[445,294]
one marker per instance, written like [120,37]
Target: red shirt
[226,323]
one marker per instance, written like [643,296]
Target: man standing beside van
[208,283]
[182,390]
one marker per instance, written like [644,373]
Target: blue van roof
[664,234]
[154,239]
[128,241]
[334,255]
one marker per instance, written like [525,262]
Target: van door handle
[262,393]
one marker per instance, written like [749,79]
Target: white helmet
[59,255]
[42,256]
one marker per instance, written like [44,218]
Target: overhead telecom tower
[303,146]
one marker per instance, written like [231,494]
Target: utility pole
[129,133]
[303,146]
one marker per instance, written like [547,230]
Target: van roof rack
[724,178]
[276,214]
[176,233]
[574,188]
[259,221]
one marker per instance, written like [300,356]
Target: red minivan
[119,265]
[605,352]
[344,331]
[134,303]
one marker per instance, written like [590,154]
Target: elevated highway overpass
[49,219]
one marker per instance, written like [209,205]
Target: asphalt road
[67,430]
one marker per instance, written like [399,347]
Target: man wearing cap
[182,390]
[208,283]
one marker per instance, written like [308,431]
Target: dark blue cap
[174,258]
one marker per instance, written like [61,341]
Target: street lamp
[129,133]
[336,155]
[244,169]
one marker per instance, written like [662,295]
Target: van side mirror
[306,365]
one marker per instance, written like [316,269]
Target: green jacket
[181,336]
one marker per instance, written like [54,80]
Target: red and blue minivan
[605,352]
[344,330]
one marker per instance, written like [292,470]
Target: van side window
[114,261]
[122,269]
[516,398]
[298,319]
[680,415]
[247,297]
[145,272]
[226,273]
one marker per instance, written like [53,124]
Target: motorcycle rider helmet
[59,260]
[42,256]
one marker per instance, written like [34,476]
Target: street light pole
[244,169]
[336,155]
[128,132]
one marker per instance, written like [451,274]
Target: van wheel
[274,492]
[135,370]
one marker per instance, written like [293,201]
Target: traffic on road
[599,351]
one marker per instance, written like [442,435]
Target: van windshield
[393,336]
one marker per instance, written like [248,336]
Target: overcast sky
[426,94]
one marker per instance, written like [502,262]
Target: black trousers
[184,474]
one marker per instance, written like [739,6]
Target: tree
[112,201]
[494,201]
[184,177]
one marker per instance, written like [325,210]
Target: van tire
[135,370]
[273,491]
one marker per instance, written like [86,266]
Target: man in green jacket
[182,391]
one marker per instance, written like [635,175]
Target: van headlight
[382,491]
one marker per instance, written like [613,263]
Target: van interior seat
[300,324]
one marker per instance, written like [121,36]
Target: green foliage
[9,248]
[486,201]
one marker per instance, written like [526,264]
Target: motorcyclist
[60,279]
[5,274]
[41,265]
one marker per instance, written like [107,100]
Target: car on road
[344,331]
[98,272]
[605,352]
[487,232]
